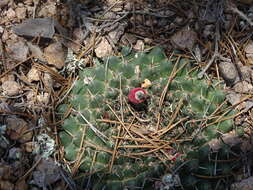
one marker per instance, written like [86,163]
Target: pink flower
[137,95]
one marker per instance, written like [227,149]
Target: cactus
[185,118]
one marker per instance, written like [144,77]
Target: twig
[68,91]
[234,9]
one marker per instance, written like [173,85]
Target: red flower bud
[137,95]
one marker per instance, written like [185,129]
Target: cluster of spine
[100,94]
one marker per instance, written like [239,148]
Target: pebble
[11,88]
[103,49]
[228,72]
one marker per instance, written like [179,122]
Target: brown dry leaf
[184,39]
[11,88]
[18,129]
[33,75]
[28,147]
[17,50]
[55,55]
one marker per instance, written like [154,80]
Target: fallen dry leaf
[55,55]
[184,39]
[18,129]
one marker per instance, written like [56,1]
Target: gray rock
[228,72]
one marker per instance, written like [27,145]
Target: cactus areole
[137,96]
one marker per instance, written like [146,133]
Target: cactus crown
[120,146]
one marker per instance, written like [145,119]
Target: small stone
[21,12]
[184,39]
[103,49]
[43,98]
[11,88]
[249,51]
[116,34]
[33,75]
[228,72]
[243,87]
[48,10]
[55,55]
[10,14]
[233,98]
[246,72]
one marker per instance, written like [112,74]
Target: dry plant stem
[115,150]
[136,132]
[170,126]
[216,52]
[98,148]
[118,122]
[126,129]
[153,143]
[172,75]
[220,119]
[212,177]
[132,112]
[17,113]
[241,14]
[79,155]
[53,73]
[68,180]
[151,151]
[6,72]
[92,164]
[91,46]
[29,171]
[167,129]
[141,146]
[68,91]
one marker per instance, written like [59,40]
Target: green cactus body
[105,87]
